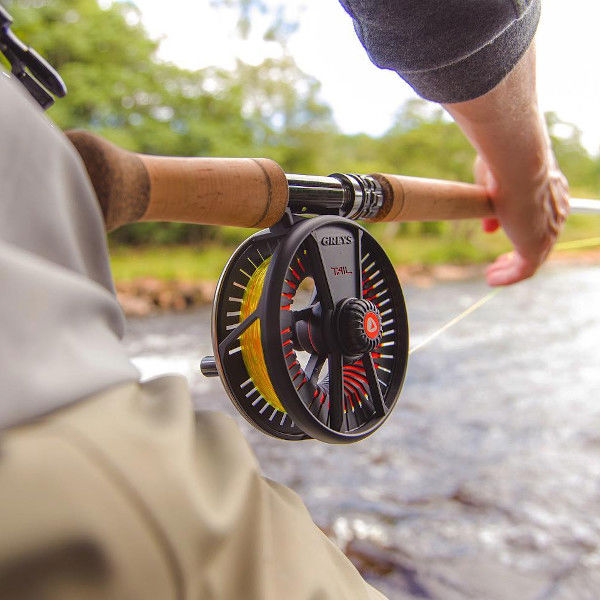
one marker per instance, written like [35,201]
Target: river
[485,481]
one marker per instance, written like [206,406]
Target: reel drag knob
[328,364]
[358,326]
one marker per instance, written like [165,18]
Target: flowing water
[485,481]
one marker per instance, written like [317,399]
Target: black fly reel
[310,331]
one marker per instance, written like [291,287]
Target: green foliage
[582,171]
[428,146]
[120,89]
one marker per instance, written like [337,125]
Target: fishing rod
[309,324]
[330,368]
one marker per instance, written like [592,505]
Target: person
[477,59]
[111,488]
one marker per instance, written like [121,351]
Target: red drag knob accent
[372,325]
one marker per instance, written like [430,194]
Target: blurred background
[222,78]
[484,482]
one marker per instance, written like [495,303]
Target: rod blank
[584,206]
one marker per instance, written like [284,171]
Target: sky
[363,97]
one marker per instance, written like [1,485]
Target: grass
[206,262]
[182,263]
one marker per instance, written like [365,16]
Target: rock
[368,558]
[143,296]
[135,306]
[207,290]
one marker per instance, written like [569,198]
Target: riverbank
[158,278]
[147,295]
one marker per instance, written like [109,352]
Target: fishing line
[455,320]
[585,243]
[252,350]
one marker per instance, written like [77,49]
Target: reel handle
[208,367]
[244,192]
[417,199]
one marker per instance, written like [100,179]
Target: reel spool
[325,363]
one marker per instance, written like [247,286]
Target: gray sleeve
[60,321]
[446,50]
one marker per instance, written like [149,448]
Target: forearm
[507,128]
[516,164]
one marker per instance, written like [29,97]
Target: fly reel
[310,331]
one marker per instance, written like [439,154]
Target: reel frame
[365,389]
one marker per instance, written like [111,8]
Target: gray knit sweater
[450,50]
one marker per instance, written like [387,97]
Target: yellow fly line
[587,243]
[252,350]
[455,320]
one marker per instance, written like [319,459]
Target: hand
[532,213]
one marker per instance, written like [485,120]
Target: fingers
[532,214]
[490,225]
[508,269]
[557,201]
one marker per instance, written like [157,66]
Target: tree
[582,171]
[119,88]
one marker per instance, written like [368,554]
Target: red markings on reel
[372,325]
[341,271]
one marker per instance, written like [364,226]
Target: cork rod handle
[247,192]
[416,199]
